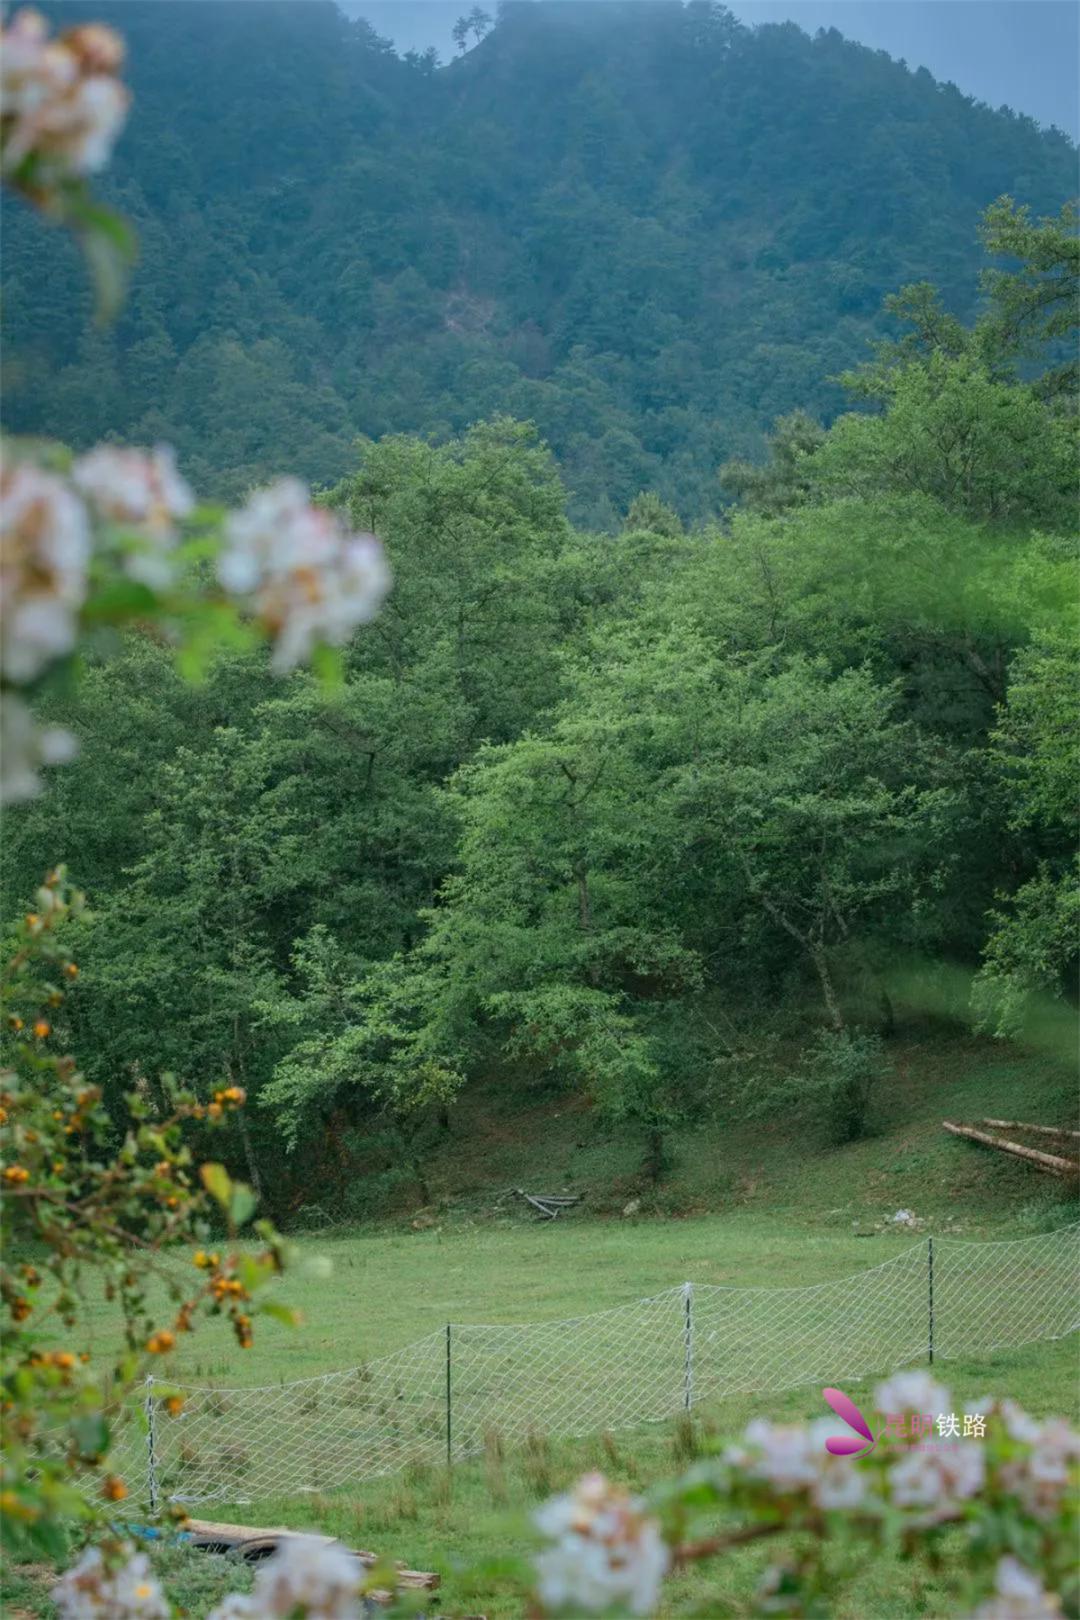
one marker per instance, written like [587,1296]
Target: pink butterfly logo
[844,1445]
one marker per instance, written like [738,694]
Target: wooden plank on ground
[252,1542]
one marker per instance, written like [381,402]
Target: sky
[1024,54]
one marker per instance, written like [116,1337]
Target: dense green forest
[672,821]
[644,227]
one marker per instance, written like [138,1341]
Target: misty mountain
[644,226]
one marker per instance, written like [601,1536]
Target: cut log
[1050,1162]
[1040,1130]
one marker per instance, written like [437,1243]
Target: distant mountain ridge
[643,225]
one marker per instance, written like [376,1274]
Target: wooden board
[252,1542]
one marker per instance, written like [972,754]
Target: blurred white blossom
[142,491]
[44,555]
[780,1453]
[25,748]
[936,1479]
[605,1550]
[89,1591]
[308,579]
[60,100]
[1020,1595]
[306,1575]
[914,1391]
[1040,1477]
[236,1606]
[792,1458]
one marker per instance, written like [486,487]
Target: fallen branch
[1023,1125]
[549,1207]
[1050,1162]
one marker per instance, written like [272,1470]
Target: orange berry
[71,970]
[16,1508]
[41,1029]
[114,1489]
[15,1021]
[159,1344]
[16,1174]
[174,1405]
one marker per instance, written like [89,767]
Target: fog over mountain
[647,228]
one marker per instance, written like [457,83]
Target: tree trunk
[421,1180]
[653,1163]
[820,962]
[249,1155]
[584,907]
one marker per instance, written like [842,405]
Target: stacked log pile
[1055,1164]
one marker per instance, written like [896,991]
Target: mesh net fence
[438,1398]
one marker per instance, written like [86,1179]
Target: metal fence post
[688,1345]
[151,1445]
[449,1420]
[930,1286]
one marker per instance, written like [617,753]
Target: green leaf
[218,1183]
[329,665]
[91,1434]
[121,599]
[109,247]
[281,1313]
[242,1204]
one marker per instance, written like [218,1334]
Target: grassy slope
[771,1165]
[782,1213]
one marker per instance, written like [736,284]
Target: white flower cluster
[44,556]
[25,747]
[1019,1595]
[791,1458]
[938,1478]
[913,1391]
[1040,1477]
[61,103]
[294,565]
[605,1550]
[306,1576]
[142,494]
[89,1591]
[306,577]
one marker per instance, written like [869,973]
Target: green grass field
[781,1215]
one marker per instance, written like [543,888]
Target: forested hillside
[677,825]
[644,227]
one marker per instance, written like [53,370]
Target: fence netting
[437,1399]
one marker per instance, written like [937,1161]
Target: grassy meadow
[757,1206]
